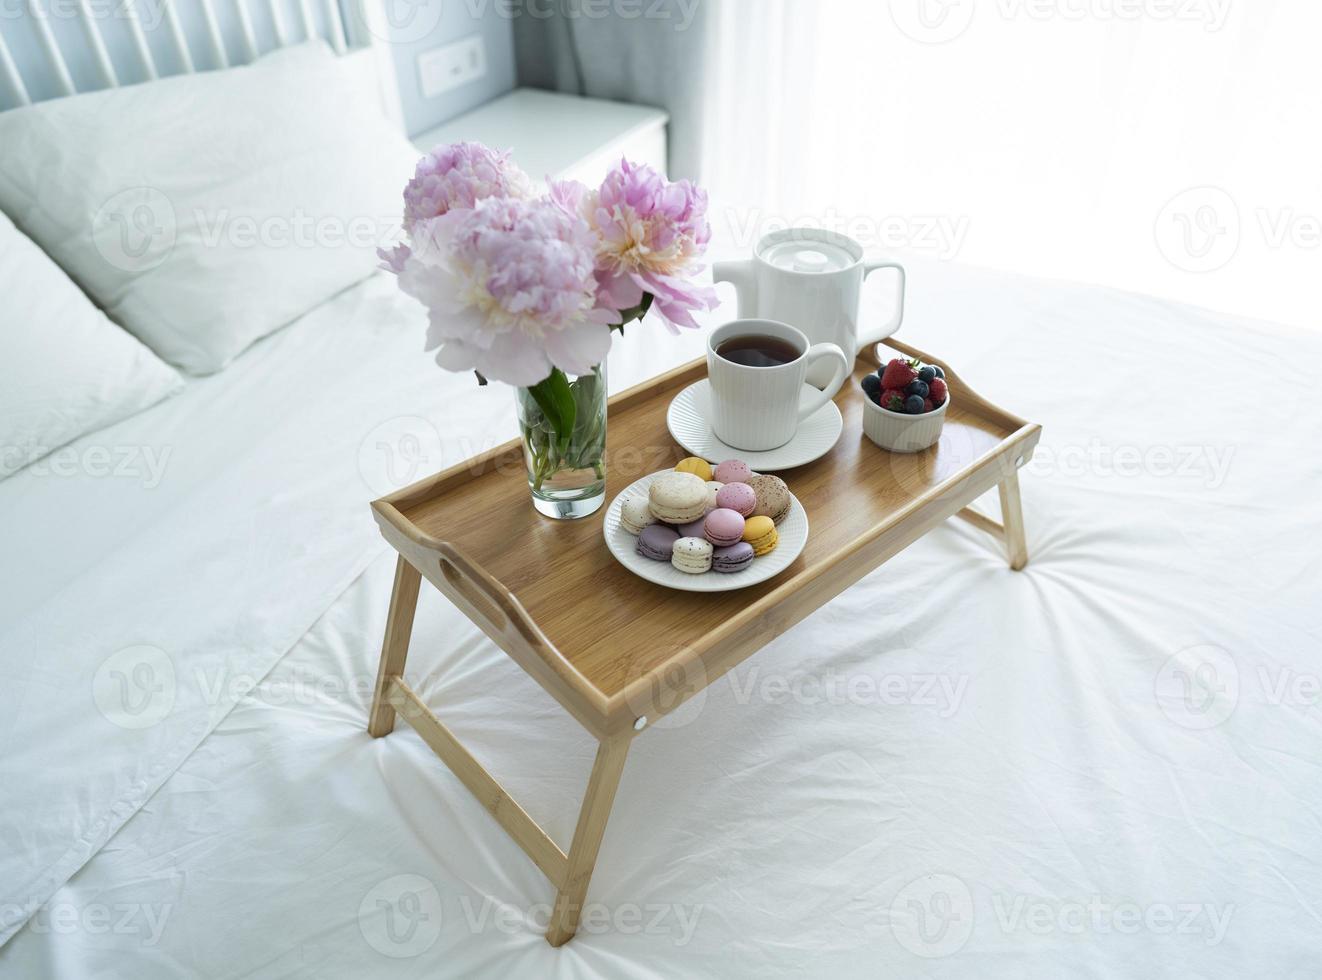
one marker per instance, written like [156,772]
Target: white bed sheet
[972,772]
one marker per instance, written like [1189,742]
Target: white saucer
[687,420]
[792,531]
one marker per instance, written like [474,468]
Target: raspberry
[936,390]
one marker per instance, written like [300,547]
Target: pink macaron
[732,471]
[737,496]
[724,527]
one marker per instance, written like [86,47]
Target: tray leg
[1012,516]
[597,801]
[395,647]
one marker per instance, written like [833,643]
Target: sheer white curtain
[1172,147]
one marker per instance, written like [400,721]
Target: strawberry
[892,399]
[899,373]
[936,390]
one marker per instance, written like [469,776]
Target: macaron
[735,558]
[724,527]
[712,487]
[736,496]
[773,497]
[693,529]
[698,467]
[657,542]
[761,533]
[692,555]
[677,498]
[732,471]
[635,515]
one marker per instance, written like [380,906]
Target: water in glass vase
[563,424]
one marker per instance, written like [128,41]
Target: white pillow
[64,368]
[204,211]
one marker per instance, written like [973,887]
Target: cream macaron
[677,498]
[691,555]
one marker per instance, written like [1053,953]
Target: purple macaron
[693,529]
[724,527]
[657,542]
[735,558]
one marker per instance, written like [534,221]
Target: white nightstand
[561,136]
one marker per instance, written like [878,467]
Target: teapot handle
[867,337]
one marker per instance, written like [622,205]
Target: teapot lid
[808,254]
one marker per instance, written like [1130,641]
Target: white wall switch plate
[444,68]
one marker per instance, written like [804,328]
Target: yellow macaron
[761,533]
[698,467]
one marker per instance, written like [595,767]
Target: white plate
[793,532]
[687,420]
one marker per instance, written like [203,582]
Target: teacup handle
[815,353]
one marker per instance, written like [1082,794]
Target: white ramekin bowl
[899,432]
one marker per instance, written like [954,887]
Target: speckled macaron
[635,514]
[732,471]
[691,555]
[735,558]
[657,542]
[736,496]
[677,498]
[761,533]
[773,497]
[695,465]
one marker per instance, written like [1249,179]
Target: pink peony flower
[651,233]
[511,290]
[458,175]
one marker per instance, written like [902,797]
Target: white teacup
[759,408]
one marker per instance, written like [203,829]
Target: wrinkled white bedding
[1106,765]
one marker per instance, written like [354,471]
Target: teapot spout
[744,277]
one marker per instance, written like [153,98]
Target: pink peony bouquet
[527,290]
[519,287]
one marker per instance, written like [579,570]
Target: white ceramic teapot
[810,278]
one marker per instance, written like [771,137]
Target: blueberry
[926,373]
[939,372]
[872,388]
[914,404]
[918,388]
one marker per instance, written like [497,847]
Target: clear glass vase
[563,424]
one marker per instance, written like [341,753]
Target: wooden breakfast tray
[617,651]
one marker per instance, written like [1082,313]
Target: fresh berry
[898,374]
[927,405]
[913,405]
[926,373]
[939,372]
[872,388]
[937,391]
[918,388]
[892,399]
